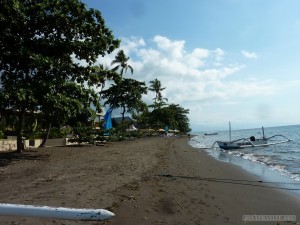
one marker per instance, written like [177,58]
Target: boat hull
[209,134]
[238,145]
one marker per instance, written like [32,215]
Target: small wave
[249,157]
[281,169]
[195,144]
[273,165]
[268,161]
[199,145]
[295,176]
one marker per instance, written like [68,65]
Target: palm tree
[122,60]
[158,99]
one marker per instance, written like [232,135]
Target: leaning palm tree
[122,63]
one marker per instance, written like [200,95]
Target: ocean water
[275,163]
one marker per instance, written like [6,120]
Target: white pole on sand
[54,212]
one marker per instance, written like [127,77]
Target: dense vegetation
[47,71]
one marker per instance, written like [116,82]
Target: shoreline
[145,181]
[263,171]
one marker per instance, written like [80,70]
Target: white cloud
[173,49]
[130,45]
[219,54]
[249,55]
[200,77]
[192,76]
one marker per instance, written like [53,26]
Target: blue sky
[224,60]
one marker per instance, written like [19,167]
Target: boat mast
[229,131]
[263,130]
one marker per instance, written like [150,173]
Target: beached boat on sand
[251,142]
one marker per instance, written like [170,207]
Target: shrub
[2,136]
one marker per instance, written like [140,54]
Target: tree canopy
[49,50]
[42,43]
[126,94]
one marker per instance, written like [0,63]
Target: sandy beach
[145,181]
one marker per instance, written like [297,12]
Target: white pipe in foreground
[54,213]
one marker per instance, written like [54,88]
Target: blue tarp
[107,119]
[167,129]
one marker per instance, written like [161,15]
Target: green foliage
[54,133]
[82,125]
[34,135]
[134,134]
[177,117]
[126,94]
[86,117]
[114,138]
[41,43]
[48,50]
[2,136]
[83,134]
[173,116]
[59,132]
[159,101]
[2,131]
[121,59]
[110,135]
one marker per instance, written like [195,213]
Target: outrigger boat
[250,142]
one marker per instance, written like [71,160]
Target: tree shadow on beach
[7,158]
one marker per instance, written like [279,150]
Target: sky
[224,60]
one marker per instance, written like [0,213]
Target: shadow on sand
[7,158]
